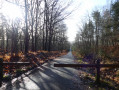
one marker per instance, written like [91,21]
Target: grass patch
[19,72]
[6,78]
[81,61]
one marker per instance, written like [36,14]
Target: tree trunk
[26,31]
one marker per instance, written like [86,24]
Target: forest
[41,28]
[98,38]
[36,37]
[99,35]
[40,36]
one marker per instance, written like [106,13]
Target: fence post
[1,71]
[98,72]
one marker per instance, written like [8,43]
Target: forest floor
[48,77]
[35,58]
[42,76]
[109,76]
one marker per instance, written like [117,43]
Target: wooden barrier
[97,66]
[9,63]
[1,71]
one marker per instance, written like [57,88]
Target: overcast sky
[80,15]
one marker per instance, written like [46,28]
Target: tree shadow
[16,85]
[9,86]
[49,79]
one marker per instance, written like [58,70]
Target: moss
[19,72]
[6,78]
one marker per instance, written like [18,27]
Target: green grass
[81,62]
[6,78]
[19,72]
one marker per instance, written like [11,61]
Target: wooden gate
[97,66]
[9,63]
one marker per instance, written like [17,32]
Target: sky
[82,8]
[80,15]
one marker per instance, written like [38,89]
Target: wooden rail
[87,65]
[97,66]
[9,63]
[16,63]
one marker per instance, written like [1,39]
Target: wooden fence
[9,63]
[97,66]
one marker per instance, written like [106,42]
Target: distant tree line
[99,36]
[41,29]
